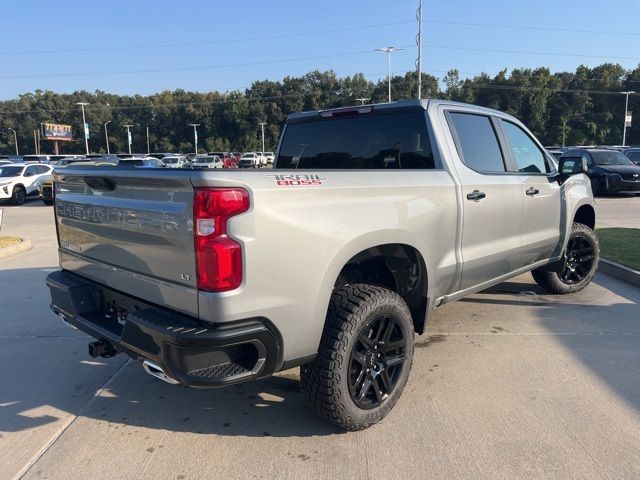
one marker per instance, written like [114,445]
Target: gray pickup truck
[371,217]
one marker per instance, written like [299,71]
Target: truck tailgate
[130,229]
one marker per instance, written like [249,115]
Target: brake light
[218,257]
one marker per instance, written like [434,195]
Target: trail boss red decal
[294,180]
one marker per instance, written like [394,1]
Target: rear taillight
[218,257]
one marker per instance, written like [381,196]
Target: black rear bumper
[187,351]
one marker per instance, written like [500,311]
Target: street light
[129,137]
[626,109]
[195,134]
[15,139]
[106,135]
[389,51]
[84,125]
[262,124]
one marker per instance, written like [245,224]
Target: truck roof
[406,105]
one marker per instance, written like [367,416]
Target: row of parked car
[171,160]
[27,176]
[611,169]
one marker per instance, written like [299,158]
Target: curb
[23,246]
[620,272]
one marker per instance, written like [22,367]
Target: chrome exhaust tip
[155,371]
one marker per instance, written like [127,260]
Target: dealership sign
[55,131]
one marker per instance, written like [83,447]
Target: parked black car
[633,154]
[610,171]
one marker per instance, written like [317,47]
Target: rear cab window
[372,141]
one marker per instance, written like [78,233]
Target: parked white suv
[270,157]
[250,160]
[19,181]
[175,161]
[207,161]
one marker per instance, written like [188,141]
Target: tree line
[583,107]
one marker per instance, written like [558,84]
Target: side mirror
[572,166]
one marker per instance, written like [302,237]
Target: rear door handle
[532,191]
[476,195]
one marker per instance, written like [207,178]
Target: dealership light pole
[419,42]
[148,149]
[15,139]
[195,134]
[106,135]
[626,110]
[262,124]
[85,126]
[129,137]
[389,51]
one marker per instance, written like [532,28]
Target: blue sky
[144,46]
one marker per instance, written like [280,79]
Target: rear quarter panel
[296,239]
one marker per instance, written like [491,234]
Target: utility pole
[15,140]
[85,126]
[389,51]
[362,100]
[564,131]
[626,110]
[419,42]
[262,124]
[106,135]
[129,137]
[148,149]
[195,134]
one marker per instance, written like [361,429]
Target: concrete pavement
[508,383]
[618,211]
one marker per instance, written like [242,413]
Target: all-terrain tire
[550,278]
[352,309]
[47,202]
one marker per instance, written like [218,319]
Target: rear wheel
[19,195]
[364,358]
[48,202]
[577,266]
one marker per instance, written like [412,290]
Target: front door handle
[532,191]
[476,195]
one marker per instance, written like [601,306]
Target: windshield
[170,159]
[10,171]
[610,158]
[248,155]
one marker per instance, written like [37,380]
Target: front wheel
[364,358]
[578,264]
[19,195]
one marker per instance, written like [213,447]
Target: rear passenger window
[529,158]
[384,141]
[477,142]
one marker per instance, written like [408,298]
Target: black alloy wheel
[376,362]
[578,260]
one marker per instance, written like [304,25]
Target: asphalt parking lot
[508,383]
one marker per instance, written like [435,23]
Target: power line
[202,43]
[188,69]
[532,27]
[530,52]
